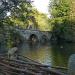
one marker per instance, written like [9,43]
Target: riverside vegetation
[22,14]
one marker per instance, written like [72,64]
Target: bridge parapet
[47,34]
[27,33]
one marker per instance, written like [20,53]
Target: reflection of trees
[61,53]
[56,55]
[36,52]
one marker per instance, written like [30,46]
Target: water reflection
[51,54]
[60,55]
[3,48]
[37,52]
[55,55]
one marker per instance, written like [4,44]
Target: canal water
[49,54]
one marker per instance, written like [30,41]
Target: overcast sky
[41,5]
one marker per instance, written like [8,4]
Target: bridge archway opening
[33,38]
[44,39]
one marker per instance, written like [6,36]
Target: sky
[41,5]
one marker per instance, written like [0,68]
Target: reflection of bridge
[29,34]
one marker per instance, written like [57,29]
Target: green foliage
[20,15]
[60,8]
[72,12]
[42,21]
[61,21]
[62,28]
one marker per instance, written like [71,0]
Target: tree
[60,8]
[17,14]
[8,5]
[61,23]
[72,12]
[42,20]
[20,15]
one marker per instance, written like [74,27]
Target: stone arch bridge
[28,34]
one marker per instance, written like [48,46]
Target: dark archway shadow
[44,39]
[33,39]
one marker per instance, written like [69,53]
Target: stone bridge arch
[44,38]
[32,34]
[33,37]
[41,36]
[46,35]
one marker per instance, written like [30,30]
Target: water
[50,54]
